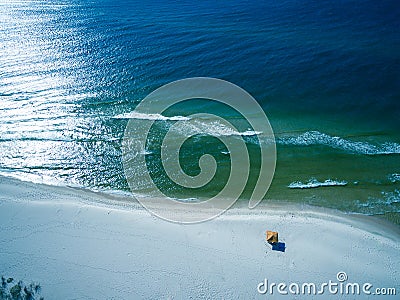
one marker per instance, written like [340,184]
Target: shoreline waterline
[128,202]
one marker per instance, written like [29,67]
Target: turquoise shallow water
[326,74]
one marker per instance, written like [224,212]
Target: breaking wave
[155,117]
[314,183]
[198,125]
[317,138]
[394,177]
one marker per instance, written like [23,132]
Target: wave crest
[198,125]
[317,138]
[143,116]
[394,177]
[314,183]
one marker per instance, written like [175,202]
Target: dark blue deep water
[327,74]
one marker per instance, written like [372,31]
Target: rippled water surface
[326,73]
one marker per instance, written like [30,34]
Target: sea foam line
[394,177]
[317,138]
[195,126]
[314,183]
[214,128]
[156,117]
[387,203]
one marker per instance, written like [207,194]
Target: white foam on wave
[391,197]
[146,152]
[195,126]
[249,132]
[386,203]
[318,138]
[213,128]
[155,117]
[314,183]
[35,178]
[394,177]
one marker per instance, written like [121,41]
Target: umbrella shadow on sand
[278,246]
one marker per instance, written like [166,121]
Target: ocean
[326,73]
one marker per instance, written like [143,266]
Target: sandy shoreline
[86,245]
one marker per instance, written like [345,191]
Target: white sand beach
[85,245]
